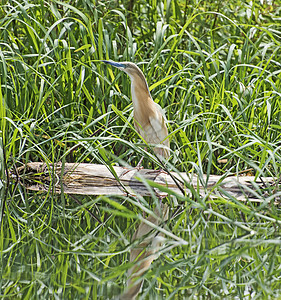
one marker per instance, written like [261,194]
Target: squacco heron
[149,119]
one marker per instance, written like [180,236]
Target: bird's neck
[140,91]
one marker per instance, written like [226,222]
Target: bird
[149,118]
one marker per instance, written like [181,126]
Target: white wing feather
[157,133]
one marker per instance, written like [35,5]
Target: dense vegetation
[215,69]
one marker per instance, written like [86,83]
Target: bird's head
[130,68]
[137,78]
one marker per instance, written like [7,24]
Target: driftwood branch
[94,179]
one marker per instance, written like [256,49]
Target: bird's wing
[151,126]
[159,133]
[158,124]
[158,130]
[161,111]
[151,130]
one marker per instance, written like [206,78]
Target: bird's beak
[114,64]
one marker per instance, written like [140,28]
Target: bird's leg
[157,172]
[139,166]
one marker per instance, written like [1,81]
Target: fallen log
[95,179]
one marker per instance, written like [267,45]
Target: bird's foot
[139,166]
